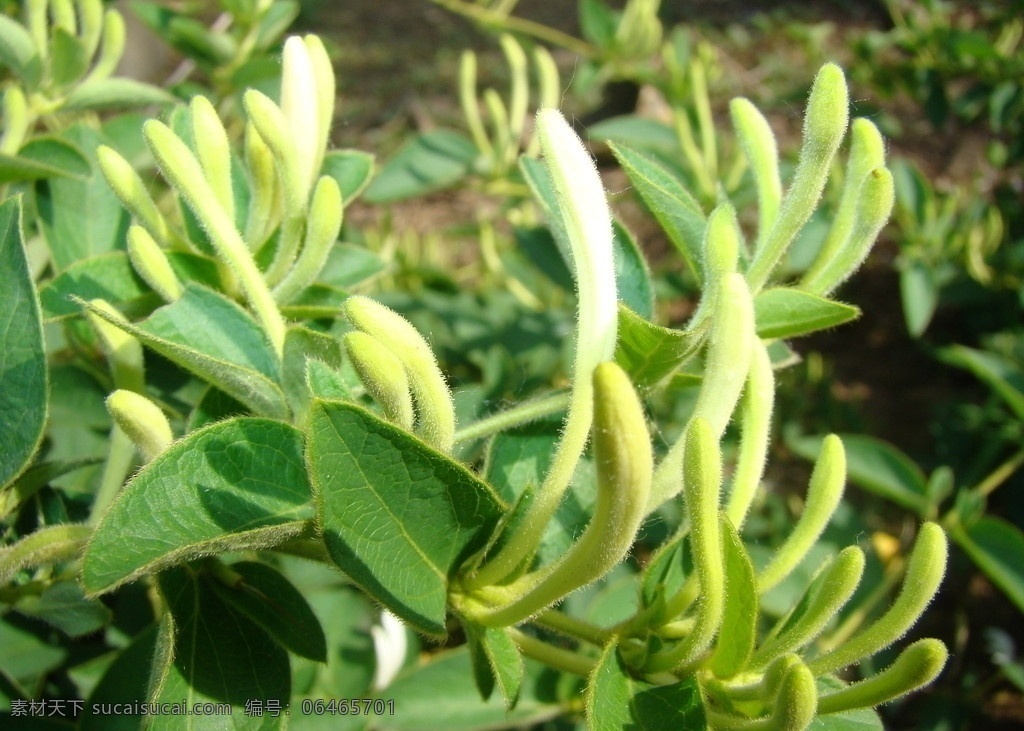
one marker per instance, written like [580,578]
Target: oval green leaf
[237,484]
[425,164]
[784,312]
[374,484]
[23,375]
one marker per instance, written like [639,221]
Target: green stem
[489,17]
[558,621]
[1000,475]
[116,469]
[46,546]
[555,657]
[516,416]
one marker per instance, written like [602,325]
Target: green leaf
[220,656]
[540,248]
[877,467]
[302,345]
[327,383]
[276,20]
[63,605]
[218,341]
[316,302]
[26,657]
[125,681]
[496,658]
[997,547]
[373,484]
[739,618]
[35,478]
[108,276]
[632,275]
[428,162]
[23,375]
[270,600]
[783,312]
[616,700]
[348,265]
[236,484]
[80,217]
[351,170]
[598,23]
[18,51]
[639,133]
[1001,375]
[116,93]
[664,575]
[920,295]
[519,457]
[440,694]
[648,352]
[68,58]
[668,200]
[346,615]
[44,157]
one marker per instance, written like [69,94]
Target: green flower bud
[519,92]
[112,45]
[132,192]
[143,422]
[824,126]
[63,14]
[213,151]
[124,352]
[300,112]
[622,452]
[92,24]
[182,170]
[867,152]
[823,496]
[917,666]
[264,201]
[433,399]
[150,262]
[797,700]
[925,569]
[471,104]
[322,225]
[761,153]
[383,375]
[273,127]
[827,593]
[16,120]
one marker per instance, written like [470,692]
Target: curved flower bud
[586,221]
[150,262]
[917,666]
[383,375]
[823,496]
[433,399]
[622,451]
[925,569]
[143,422]
[129,188]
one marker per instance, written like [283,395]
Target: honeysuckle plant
[265,421]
